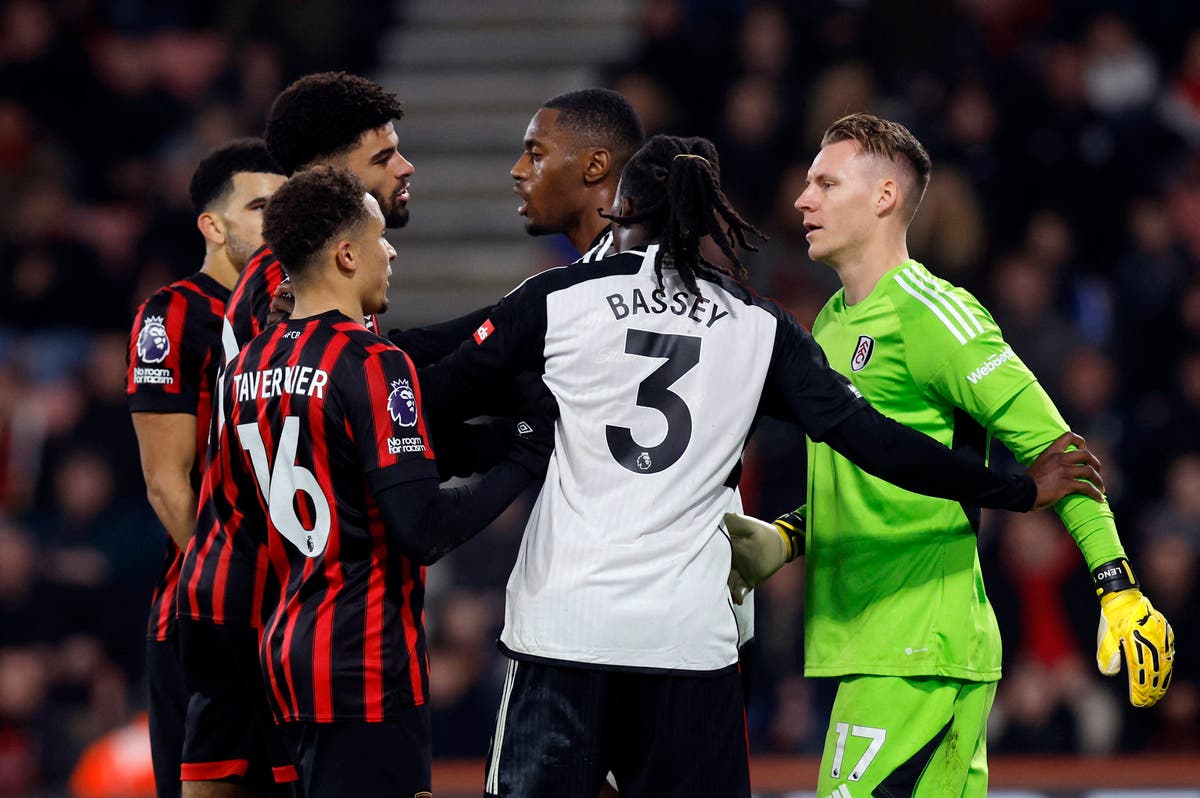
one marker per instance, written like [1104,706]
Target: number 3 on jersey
[283,481]
[682,353]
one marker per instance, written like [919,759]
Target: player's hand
[1059,473]
[1133,631]
[532,429]
[760,549]
[283,302]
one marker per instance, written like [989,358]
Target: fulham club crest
[402,403]
[153,345]
[862,353]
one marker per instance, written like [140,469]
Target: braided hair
[674,187]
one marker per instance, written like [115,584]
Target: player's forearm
[1027,424]
[427,523]
[174,502]
[916,462]
[427,345]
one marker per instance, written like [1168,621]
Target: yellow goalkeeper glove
[760,549]
[1131,629]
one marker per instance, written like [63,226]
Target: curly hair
[674,186]
[213,179]
[308,212]
[323,115]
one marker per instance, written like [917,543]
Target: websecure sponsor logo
[993,362]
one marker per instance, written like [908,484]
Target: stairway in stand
[470,74]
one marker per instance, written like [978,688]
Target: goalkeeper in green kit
[895,606]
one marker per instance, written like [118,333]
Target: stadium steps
[470,75]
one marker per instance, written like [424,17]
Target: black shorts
[230,734]
[168,708]
[560,730]
[363,760]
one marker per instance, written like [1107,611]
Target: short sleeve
[802,386]
[387,421]
[166,356]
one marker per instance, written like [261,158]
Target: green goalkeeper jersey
[893,582]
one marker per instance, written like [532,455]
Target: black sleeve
[916,462]
[465,384]
[426,523]
[464,449]
[428,345]
[801,386]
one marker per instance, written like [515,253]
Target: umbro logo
[524,428]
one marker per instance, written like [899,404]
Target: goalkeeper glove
[760,549]
[1131,629]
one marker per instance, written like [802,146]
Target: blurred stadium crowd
[1066,194]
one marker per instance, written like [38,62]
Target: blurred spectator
[1051,699]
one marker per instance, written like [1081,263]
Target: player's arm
[427,523]
[427,345]
[464,384]
[1129,623]
[167,443]
[831,411]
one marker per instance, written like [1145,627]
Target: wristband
[791,526]
[1113,577]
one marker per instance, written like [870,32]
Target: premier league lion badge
[153,346]
[402,403]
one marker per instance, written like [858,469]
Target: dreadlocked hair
[674,187]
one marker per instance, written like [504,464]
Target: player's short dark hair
[323,115]
[310,210]
[213,179]
[603,118]
[889,140]
[674,186]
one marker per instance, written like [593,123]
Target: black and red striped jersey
[250,302]
[173,361]
[320,415]
[225,568]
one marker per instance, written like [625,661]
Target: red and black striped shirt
[225,570]
[250,303]
[320,415]
[174,357]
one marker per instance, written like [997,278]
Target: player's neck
[861,272]
[584,233]
[626,238]
[313,300]
[218,266]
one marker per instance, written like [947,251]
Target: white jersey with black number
[624,560]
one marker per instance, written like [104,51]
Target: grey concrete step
[502,262]
[545,45]
[465,131]
[479,89]
[512,12]
[463,217]
[443,175]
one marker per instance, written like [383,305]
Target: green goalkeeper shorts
[922,737]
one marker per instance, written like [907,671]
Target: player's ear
[887,200]
[597,166]
[345,256]
[212,228]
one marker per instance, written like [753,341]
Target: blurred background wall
[1066,193]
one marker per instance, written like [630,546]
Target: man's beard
[395,213]
[397,218]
